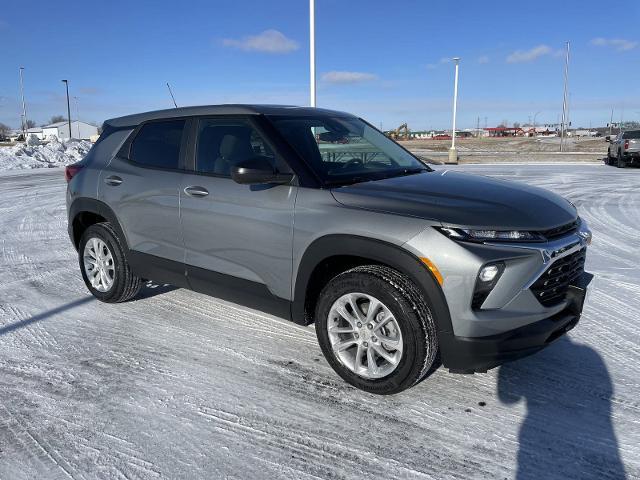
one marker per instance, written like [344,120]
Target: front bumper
[479,354]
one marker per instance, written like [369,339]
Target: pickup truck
[624,149]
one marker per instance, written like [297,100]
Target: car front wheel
[376,330]
[104,267]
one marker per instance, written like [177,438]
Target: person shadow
[567,432]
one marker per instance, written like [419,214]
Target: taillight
[626,144]
[71,170]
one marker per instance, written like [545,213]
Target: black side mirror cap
[258,171]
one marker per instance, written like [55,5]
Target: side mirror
[607,138]
[258,170]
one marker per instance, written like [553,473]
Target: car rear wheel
[621,163]
[376,330]
[104,267]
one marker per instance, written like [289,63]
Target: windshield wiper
[405,172]
[375,176]
[347,181]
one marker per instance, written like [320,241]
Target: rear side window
[157,144]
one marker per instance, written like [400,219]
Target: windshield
[346,149]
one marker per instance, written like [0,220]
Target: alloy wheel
[98,264]
[364,335]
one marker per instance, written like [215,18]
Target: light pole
[564,100]
[453,154]
[312,51]
[66,82]
[24,108]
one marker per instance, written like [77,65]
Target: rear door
[232,231]
[142,184]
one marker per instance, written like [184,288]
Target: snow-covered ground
[50,155]
[180,385]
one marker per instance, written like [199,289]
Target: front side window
[346,149]
[157,144]
[221,144]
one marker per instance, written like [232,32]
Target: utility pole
[611,122]
[66,82]
[478,127]
[564,100]
[312,52]
[24,108]
[453,154]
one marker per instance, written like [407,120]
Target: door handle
[113,180]
[195,191]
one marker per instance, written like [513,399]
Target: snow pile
[53,154]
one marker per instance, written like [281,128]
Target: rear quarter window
[157,144]
[634,134]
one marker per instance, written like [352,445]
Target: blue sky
[386,63]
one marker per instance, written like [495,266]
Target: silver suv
[316,216]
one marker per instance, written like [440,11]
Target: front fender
[376,251]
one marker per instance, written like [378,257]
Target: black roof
[229,109]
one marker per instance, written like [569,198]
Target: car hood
[459,199]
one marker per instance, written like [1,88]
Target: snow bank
[53,154]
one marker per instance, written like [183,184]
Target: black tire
[125,284]
[621,163]
[411,311]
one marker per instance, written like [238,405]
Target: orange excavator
[400,133]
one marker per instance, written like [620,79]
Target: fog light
[488,277]
[488,273]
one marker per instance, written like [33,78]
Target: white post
[312,51]
[24,108]
[563,127]
[453,154]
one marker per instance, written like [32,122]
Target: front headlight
[470,235]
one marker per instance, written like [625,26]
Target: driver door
[235,234]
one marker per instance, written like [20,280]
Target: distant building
[80,130]
[37,131]
[419,134]
[477,132]
[505,131]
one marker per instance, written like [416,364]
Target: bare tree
[31,124]
[58,118]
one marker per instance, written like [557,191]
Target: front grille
[561,230]
[551,288]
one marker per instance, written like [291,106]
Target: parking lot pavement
[180,385]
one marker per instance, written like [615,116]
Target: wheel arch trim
[375,250]
[91,205]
